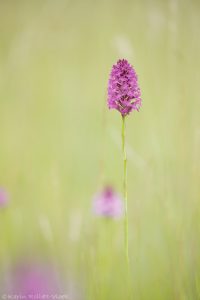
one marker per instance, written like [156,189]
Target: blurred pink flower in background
[108,203]
[33,279]
[3,197]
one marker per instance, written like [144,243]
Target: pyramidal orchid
[108,203]
[124,95]
[3,197]
[34,279]
[123,91]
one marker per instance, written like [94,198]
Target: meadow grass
[59,143]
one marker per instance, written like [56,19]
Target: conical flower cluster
[123,90]
[108,203]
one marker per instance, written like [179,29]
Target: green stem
[125,192]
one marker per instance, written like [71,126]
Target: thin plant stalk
[126,239]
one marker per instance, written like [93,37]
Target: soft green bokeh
[59,143]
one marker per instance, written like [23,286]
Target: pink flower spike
[123,91]
[108,203]
[3,197]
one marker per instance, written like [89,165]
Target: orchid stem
[126,242]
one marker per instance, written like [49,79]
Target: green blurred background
[59,144]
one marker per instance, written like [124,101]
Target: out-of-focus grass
[59,143]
